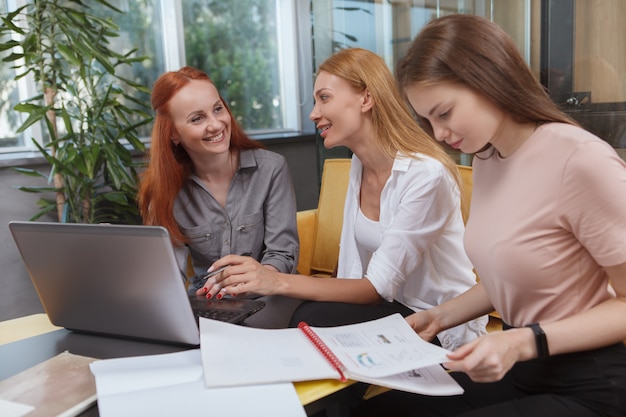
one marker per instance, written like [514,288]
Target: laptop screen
[115,279]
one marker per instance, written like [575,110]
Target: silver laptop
[118,280]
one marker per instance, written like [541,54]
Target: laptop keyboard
[217,314]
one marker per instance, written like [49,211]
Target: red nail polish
[209,295]
[219,296]
[206,289]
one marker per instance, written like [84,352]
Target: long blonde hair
[395,128]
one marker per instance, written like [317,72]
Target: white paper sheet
[431,380]
[13,409]
[173,384]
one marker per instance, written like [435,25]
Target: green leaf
[9,44]
[67,121]
[37,189]
[116,197]
[35,114]
[12,57]
[8,20]
[29,172]
[68,54]
[46,208]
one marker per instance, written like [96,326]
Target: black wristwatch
[541,340]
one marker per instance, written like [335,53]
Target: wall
[17,295]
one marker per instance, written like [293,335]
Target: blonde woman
[401,246]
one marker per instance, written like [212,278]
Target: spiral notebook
[385,352]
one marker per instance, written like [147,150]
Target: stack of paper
[173,385]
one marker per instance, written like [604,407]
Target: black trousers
[581,384]
[327,314]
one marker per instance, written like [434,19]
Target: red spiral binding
[324,350]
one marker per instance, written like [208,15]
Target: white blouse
[421,261]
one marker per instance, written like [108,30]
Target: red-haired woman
[215,190]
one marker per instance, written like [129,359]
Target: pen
[212,273]
[218,270]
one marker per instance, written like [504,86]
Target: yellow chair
[466,189]
[319,229]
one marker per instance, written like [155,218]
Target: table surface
[24,327]
[22,354]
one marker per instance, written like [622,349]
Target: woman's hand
[241,275]
[490,357]
[485,359]
[423,323]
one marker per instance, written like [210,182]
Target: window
[10,120]
[262,54]
[248,47]
[387,28]
[584,67]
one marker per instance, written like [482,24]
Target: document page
[380,347]
[239,355]
[173,385]
[432,380]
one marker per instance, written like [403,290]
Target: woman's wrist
[437,319]
[523,339]
[282,284]
[541,341]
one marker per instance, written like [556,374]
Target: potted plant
[89,109]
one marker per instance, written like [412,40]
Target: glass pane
[599,55]
[236,43]
[139,28]
[10,119]
[599,70]
[387,28]
[585,64]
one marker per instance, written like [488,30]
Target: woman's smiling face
[338,110]
[202,123]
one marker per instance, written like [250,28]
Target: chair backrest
[466,189]
[466,184]
[335,178]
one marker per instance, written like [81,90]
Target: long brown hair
[475,52]
[169,165]
[394,126]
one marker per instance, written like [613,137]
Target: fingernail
[219,296]
[205,289]
[209,295]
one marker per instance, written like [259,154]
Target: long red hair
[169,166]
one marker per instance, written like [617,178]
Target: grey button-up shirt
[259,219]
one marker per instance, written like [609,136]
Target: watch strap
[541,340]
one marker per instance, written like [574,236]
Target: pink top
[544,221]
